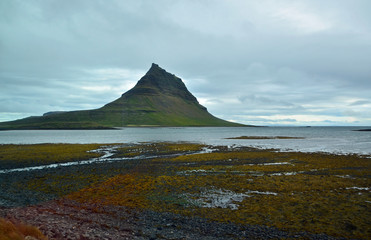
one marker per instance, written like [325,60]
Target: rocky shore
[180,191]
[66,219]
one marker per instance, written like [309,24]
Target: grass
[157,109]
[18,231]
[158,99]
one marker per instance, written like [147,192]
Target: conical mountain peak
[156,69]
[158,99]
[158,81]
[158,75]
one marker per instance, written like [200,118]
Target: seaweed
[293,191]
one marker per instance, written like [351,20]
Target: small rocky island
[363,130]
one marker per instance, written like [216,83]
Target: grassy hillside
[158,99]
[138,110]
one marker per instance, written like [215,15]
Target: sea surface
[340,140]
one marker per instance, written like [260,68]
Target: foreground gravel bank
[66,219]
[191,191]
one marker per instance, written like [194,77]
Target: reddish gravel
[69,220]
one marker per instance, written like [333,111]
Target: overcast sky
[263,62]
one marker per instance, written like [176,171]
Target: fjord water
[316,139]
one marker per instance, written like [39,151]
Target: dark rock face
[157,80]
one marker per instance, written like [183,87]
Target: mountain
[158,99]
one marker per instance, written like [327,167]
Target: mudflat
[184,191]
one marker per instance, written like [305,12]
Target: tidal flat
[185,190]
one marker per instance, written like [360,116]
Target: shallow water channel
[108,152]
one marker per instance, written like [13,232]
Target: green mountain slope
[158,99]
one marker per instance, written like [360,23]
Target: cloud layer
[263,62]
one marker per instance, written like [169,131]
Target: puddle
[190,172]
[221,198]
[344,176]
[204,172]
[206,150]
[359,188]
[269,164]
[286,173]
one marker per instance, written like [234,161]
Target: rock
[30,238]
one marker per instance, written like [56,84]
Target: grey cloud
[241,57]
[361,102]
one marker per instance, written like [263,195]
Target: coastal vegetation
[16,156]
[318,193]
[19,231]
[162,148]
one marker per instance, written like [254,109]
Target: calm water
[327,139]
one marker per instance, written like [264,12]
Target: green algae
[313,192]
[15,156]
[293,191]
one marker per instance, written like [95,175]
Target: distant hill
[158,99]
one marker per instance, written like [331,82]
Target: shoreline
[330,139]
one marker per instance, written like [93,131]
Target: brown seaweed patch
[313,192]
[18,231]
[289,190]
[157,148]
